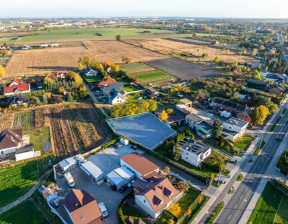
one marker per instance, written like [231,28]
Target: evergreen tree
[217,129]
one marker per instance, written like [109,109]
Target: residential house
[62,75]
[115,96]
[275,77]
[190,110]
[44,45]
[277,90]
[193,152]
[203,128]
[234,128]
[106,82]
[152,93]
[258,84]
[227,105]
[186,102]
[176,117]
[19,101]
[154,195]
[82,208]
[17,86]
[25,152]
[89,72]
[10,141]
[245,116]
[139,165]
[54,44]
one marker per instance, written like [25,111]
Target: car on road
[103,209]
[278,139]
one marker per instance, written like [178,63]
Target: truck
[103,209]
[69,179]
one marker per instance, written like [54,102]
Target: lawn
[267,205]
[25,213]
[259,148]
[93,33]
[244,142]
[151,75]
[275,124]
[16,180]
[187,200]
[128,210]
[24,120]
[91,79]
[38,137]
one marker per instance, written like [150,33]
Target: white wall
[25,155]
[192,158]
[142,202]
[8,150]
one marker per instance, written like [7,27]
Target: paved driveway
[107,160]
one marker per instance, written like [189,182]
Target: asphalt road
[234,209]
[281,41]
[240,199]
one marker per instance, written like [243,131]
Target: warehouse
[92,170]
[120,177]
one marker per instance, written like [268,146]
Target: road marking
[246,188]
[245,200]
[236,206]
[229,216]
[241,197]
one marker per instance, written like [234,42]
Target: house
[107,68]
[186,102]
[154,195]
[89,72]
[25,47]
[19,101]
[245,116]
[139,165]
[234,128]
[202,127]
[258,84]
[152,93]
[44,45]
[277,90]
[176,117]
[117,86]
[25,152]
[54,44]
[10,141]
[105,82]
[82,208]
[130,220]
[190,110]
[62,75]
[193,152]
[227,105]
[17,86]
[276,77]
[120,177]
[115,96]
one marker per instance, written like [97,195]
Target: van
[69,179]
[103,209]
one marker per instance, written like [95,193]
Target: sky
[108,8]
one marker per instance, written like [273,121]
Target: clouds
[192,8]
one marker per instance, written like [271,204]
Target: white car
[103,209]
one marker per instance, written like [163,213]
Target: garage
[92,170]
[120,177]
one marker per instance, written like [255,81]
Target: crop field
[24,120]
[6,121]
[39,61]
[191,52]
[146,74]
[25,213]
[16,180]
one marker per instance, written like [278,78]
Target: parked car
[103,209]
[117,145]
[134,147]
[69,179]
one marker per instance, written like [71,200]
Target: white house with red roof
[17,86]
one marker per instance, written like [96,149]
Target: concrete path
[8,56]
[28,194]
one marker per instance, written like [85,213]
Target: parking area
[107,160]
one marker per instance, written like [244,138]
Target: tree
[2,71]
[45,99]
[118,37]
[183,185]
[76,78]
[254,52]
[204,55]
[212,177]
[126,60]
[169,110]
[163,116]
[245,51]
[177,153]
[169,146]
[217,129]
[189,211]
[69,98]
[200,199]
[35,100]
[216,60]
[273,108]
[4,52]
[175,210]
[166,169]
[259,114]
[255,74]
[262,48]
[170,221]
[61,90]
[272,52]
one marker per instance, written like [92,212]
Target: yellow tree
[175,210]
[199,199]
[2,71]
[254,52]
[245,51]
[262,48]
[263,111]
[163,116]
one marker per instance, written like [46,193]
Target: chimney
[77,204]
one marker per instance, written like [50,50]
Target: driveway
[107,160]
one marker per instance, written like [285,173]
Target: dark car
[134,147]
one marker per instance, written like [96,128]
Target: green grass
[187,200]
[244,142]
[24,120]
[128,210]
[226,172]
[284,111]
[267,206]
[135,67]
[24,213]
[91,79]
[259,148]
[275,124]
[91,33]
[38,137]
[240,177]
[214,215]
[152,75]
[16,180]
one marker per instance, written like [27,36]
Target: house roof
[82,207]
[194,118]
[21,87]
[186,101]
[237,122]
[139,163]
[61,72]
[117,86]
[258,82]
[158,192]
[114,93]
[17,99]
[193,146]
[24,149]
[107,81]
[10,138]
[279,86]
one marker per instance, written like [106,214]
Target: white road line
[236,206]
[241,197]
[229,216]
[246,188]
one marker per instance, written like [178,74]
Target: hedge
[280,165]
[112,142]
[120,215]
[215,213]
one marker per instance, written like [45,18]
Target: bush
[282,163]
[215,213]
[112,142]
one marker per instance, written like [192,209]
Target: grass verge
[259,148]
[244,142]
[216,212]
[275,124]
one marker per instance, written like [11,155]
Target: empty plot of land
[182,69]
[41,61]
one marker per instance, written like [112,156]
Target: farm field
[191,52]
[25,213]
[268,209]
[16,180]
[24,120]
[146,74]
[91,33]
[6,121]
[182,69]
[39,61]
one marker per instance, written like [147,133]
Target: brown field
[39,61]
[195,52]
[6,121]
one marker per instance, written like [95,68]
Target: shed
[68,164]
[92,170]
[24,153]
[120,177]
